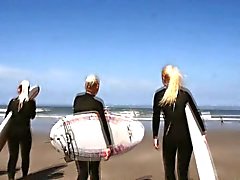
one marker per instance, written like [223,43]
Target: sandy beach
[141,163]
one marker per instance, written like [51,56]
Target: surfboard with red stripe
[80,136]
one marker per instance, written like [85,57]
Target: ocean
[47,116]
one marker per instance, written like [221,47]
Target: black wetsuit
[19,134]
[87,102]
[176,136]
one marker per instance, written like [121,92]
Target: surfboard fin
[129,133]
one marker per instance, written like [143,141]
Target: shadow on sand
[147,177]
[5,172]
[48,173]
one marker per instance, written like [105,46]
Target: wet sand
[141,163]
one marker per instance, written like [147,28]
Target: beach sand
[141,163]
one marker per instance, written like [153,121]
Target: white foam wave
[132,114]
[48,116]
[3,110]
[127,114]
[42,110]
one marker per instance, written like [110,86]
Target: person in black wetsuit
[171,100]
[19,134]
[88,102]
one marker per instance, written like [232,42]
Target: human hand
[156,143]
[107,154]
[106,112]
[204,138]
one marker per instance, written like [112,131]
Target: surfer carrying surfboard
[19,134]
[171,100]
[88,101]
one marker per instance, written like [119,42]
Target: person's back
[21,120]
[87,102]
[175,117]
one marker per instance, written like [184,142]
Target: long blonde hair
[172,79]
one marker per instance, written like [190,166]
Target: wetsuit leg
[184,157]
[26,144]
[169,155]
[82,169]
[94,169]
[13,146]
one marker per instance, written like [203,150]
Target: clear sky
[57,43]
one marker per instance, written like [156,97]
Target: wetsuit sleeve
[156,116]
[32,109]
[105,125]
[8,108]
[75,105]
[193,105]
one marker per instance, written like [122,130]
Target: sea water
[47,116]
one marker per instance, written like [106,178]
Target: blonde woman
[171,100]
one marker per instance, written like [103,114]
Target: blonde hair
[172,79]
[91,80]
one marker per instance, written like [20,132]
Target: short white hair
[91,80]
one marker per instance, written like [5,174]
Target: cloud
[130,84]
[116,90]
[10,73]
[54,82]
[51,76]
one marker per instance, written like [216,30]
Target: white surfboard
[5,123]
[80,136]
[3,130]
[203,157]
[33,92]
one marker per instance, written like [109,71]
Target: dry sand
[141,163]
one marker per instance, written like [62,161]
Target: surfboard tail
[204,161]
[210,155]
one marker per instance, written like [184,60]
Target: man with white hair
[88,102]
[19,134]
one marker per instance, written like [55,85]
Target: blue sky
[57,43]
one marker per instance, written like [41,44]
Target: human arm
[156,120]
[106,131]
[8,108]
[75,105]
[105,126]
[196,113]
[32,109]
